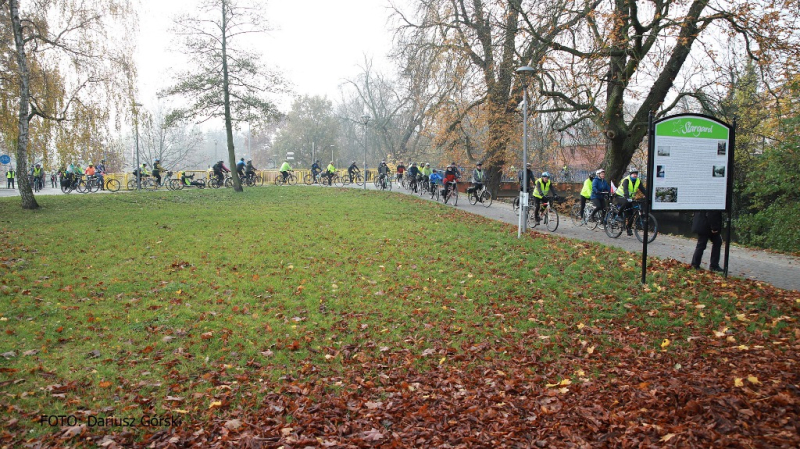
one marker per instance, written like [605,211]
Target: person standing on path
[10,175]
[707,225]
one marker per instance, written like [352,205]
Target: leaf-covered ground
[299,317]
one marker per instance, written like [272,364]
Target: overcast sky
[316,44]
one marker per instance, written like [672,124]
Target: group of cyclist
[596,189]
[540,188]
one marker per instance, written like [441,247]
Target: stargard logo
[693,130]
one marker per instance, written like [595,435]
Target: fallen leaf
[233,424]
[667,437]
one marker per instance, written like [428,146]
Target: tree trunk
[237,183]
[28,200]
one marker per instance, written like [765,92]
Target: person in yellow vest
[330,170]
[10,176]
[541,188]
[586,193]
[624,194]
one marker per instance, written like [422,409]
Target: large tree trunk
[28,200]
[237,183]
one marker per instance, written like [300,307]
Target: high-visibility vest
[10,174]
[586,192]
[545,188]
[633,186]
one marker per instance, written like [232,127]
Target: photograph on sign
[691,163]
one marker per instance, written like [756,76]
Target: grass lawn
[326,317]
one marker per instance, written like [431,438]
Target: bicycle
[309,178]
[479,195]
[383,182]
[146,183]
[452,193]
[515,204]
[424,186]
[434,189]
[252,180]
[291,179]
[547,213]
[357,179]
[616,221]
[200,184]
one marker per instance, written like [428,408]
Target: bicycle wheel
[292,179]
[614,224]
[575,213]
[593,219]
[81,186]
[278,180]
[96,185]
[259,180]
[308,179]
[65,188]
[454,195]
[229,182]
[389,184]
[434,192]
[638,228]
[486,198]
[112,185]
[472,197]
[359,179]
[201,184]
[515,205]
[338,181]
[551,219]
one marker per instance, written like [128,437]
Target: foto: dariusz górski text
[110,421]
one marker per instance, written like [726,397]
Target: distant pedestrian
[10,175]
[707,225]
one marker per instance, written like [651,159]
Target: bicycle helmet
[634,170]
[480,164]
[427,164]
[599,171]
[545,175]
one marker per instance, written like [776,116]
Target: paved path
[777,269]
[780,270]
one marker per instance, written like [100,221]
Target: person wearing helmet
[330,170]
[451,176]
[352,170]
[600,189]
[414,176]
[315,170]
[435,180]
[624,195]
[383,171]
[426,174]
[542,188]
[586,193]
[250,169]
[157,169]
[285,169]
[219,171]
[240,167]
[101,172]
[401,168]
[38,177]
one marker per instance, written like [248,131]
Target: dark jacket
[706,221]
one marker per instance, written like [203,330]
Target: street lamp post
[365,120]
[332,159]
[136,107]
[524,73]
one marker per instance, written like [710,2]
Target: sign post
[690,167]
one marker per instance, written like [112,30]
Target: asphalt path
[780,270]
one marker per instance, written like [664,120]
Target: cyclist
[90,171]
[435,180]
[451,174]
[383,171]
[157,169]
[285,169]
[625,193]
[414,175]
[219,171]
[400,170]
[188,180]
[542,188]
[240,168]
[586,194]
[600,188]
[249,169]
[38,175]
[478,177]
[315,170]
[330,170]
[352,170]
[426,171]
[101,173]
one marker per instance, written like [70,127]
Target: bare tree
[227,82]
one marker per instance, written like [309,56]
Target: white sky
[316,44]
